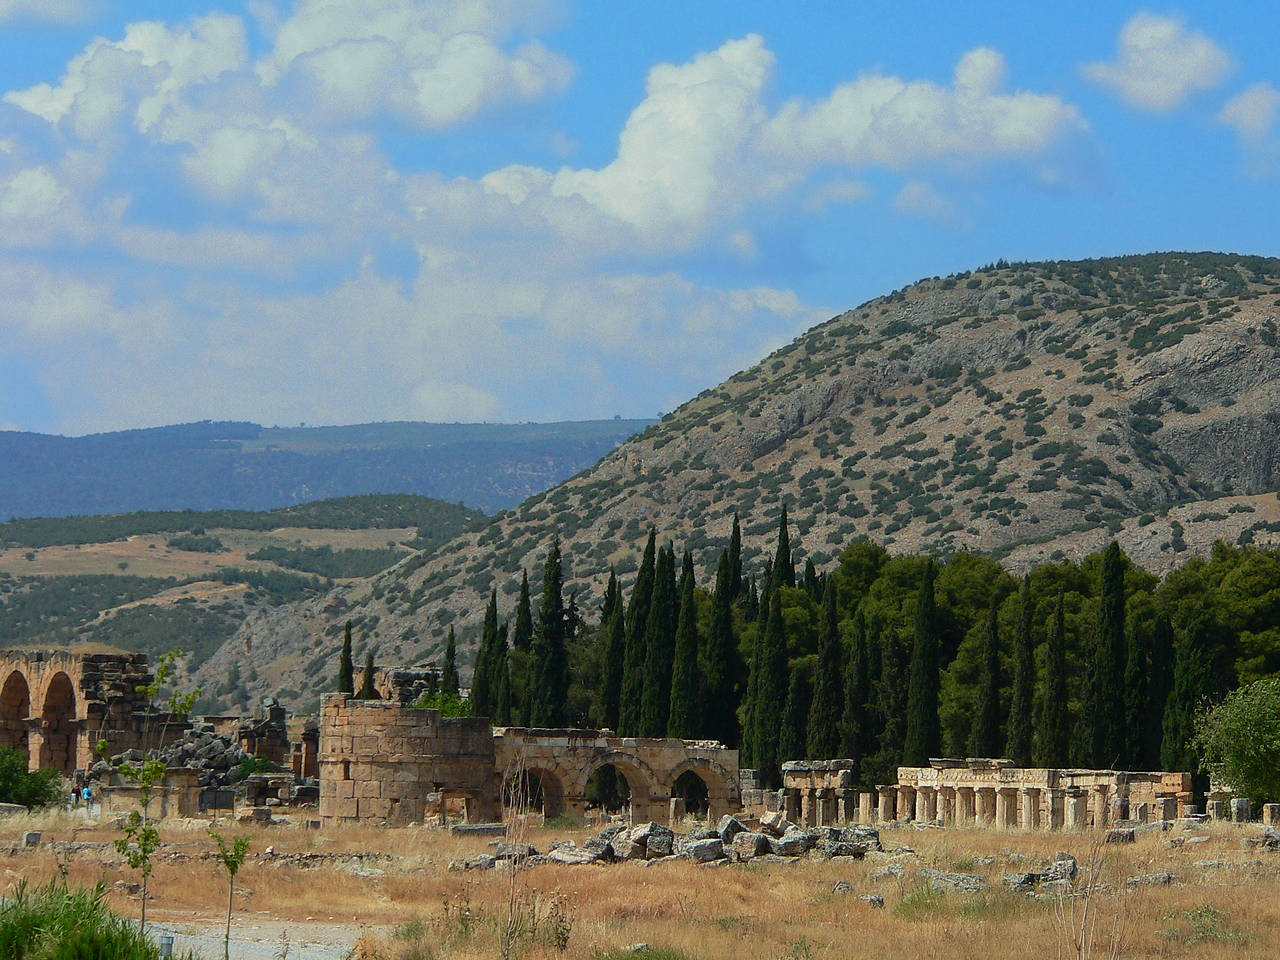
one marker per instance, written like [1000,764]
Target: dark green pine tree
[855,732]
[633,661]
[1159,683]
[923,736]
[735,560]
[1137,669]
[1107,743]
[771,692]
[795,715]
[500,672]
[749,751]
[812,583]
[984,736]
[522,637]
[449,682]
[827,712]
[346,667]
[784,568]
[751,605]
[367,690]
[614,635]
[683,715]
[891,698]
[549,676]
[719,664]
[1053,717]
[660,646]
[612,596]
[1021,706]
[481,682]
[1194,685]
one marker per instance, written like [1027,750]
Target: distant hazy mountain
[215,466]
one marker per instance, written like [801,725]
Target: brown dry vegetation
[421,909]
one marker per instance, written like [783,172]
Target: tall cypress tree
[984,737]
[1021,706]
[346,668]
[784,569]
[1108,715]
[481,681]
[612,596]
[500,671]
[367,691]
[923,737]
[633,661]
[749,750]
[1160,682]
[771,692]
[1193,685]
[1137,669]
[795,714]
[735,560]
[827,712]
[549,689]
[1053,728]
[751,605]
[719,666]
[449,682]
[660,646]
[614,634]
[891,697]
[682,717]
[855,731]
[522,637]
[812,583]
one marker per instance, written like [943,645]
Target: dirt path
[263,939]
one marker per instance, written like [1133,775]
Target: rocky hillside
[1026,410]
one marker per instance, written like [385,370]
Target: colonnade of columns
[1006,808]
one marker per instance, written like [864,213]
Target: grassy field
[1224,901]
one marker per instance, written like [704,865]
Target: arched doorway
[533,789]
[608,791]
[15,707]
[692,789]
[58,725]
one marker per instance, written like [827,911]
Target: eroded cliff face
[1032,411]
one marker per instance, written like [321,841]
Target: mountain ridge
[1029,411]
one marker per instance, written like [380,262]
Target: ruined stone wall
[380,760]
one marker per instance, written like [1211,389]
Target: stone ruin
[384,761]
[990,792]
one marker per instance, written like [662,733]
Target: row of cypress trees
[672,659]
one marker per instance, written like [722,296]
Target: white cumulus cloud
[1159,63]
[1252,113]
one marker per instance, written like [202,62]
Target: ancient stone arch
[56,704]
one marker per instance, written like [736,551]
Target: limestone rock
[750,843]
[1162,879]
[704,851]
[1119,835]
[729,827]
[966,882]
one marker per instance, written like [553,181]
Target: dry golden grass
[420,909]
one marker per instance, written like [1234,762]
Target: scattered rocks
[1270,839]
[1064,867]
[704,851]
[890,871]
[842,887]
[873,899]
[1022,882]
[1119,835]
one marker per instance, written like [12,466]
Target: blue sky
[348,210]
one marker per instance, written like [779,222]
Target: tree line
[890,660]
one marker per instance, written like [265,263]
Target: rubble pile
[774,839]
[217,758]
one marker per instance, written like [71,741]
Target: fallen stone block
[1119,835]
[572,856]
[775,824]
[1161,879]
[749,844]
[789,845]
[729,827]
[966,882]
[1022,882]
[1063,867]
[705,851]
[890,871]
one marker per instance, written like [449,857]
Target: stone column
[986,807]
[906,803]
[1057,808]
[35,747]
[1077,808]
[827,807]
[1101,806]
[1167,808]
[1241,810]
[965,805]
[791,804]
[1029,801]
[947,805]
[887,797]
[1006,808]
[808,813]
[675,811]
[1271,814]
[926,805]
[1119,809]
[867,808]
[1215,809]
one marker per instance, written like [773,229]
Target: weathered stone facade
[385,761]
[381,760]
[57,704]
